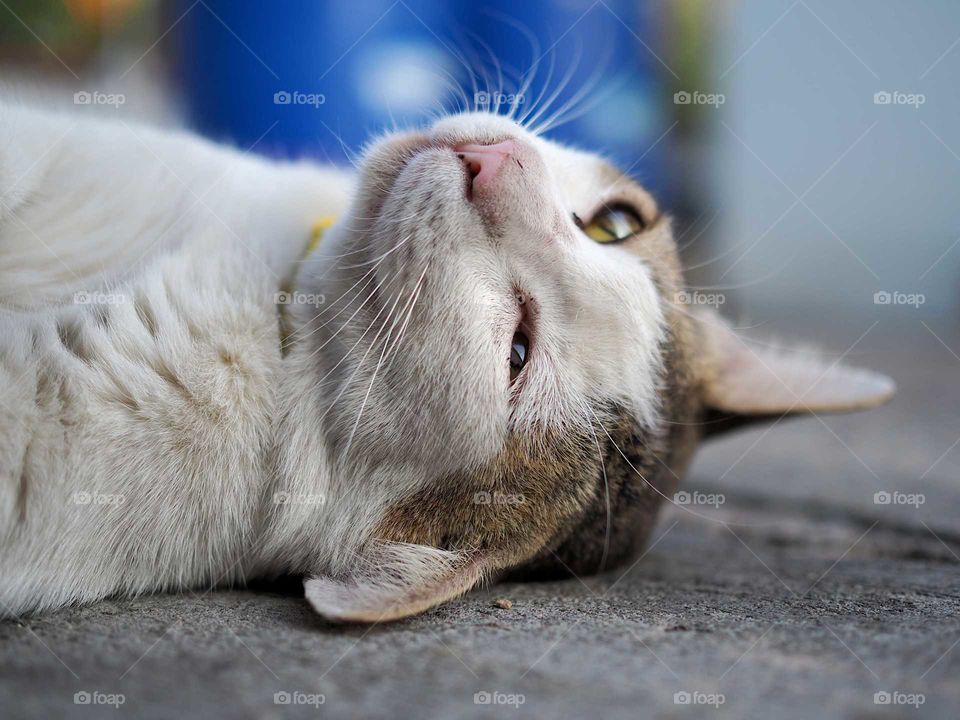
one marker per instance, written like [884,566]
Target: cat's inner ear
[395,580]
[744,382]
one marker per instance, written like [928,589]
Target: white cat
[484,367]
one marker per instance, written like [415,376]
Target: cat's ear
[393,581]
[744,383]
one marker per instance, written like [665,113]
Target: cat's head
[509,378]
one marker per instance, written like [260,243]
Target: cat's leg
[85,202]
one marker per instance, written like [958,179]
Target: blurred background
[809,151]
[761,126]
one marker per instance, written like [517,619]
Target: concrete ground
[799,596]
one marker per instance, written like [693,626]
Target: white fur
[206,454]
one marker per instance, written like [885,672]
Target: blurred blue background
[322,73]
[757,123]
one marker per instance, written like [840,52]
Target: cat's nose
[484,161]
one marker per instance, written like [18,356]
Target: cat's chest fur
[141,374]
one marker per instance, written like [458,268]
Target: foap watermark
[696,697]
[288,498]
[295,97]
[484,497]
[284,697]
[695,97]
[896,697]
[98,297]
[885,297]
[85,97]
[895,497]
[489,99]
[895,97]
[295,297]
[698,498]
[97,498]
[695,297]
[493,697]
[95,697]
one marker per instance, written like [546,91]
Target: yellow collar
[287,292]
[316,234]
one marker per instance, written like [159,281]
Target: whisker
[301,334]
[376,370]
[415,298]
[522,120]
[669,499]
[697,236]
[377,260]
[346,354]
[565,80]
[606,490]
[496,66]
[751,283]
[350,319]
[526,79]
[589,85]
[476,72]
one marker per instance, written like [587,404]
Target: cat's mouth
[519,353]
[522,341]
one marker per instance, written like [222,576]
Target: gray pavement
[798,597]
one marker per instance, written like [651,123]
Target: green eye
[612,224]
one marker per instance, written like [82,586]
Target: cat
[485,368]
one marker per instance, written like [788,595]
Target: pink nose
[484,161]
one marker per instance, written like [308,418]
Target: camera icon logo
[282,97]
[682,97]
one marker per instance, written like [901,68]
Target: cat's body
[158,431]
[141,381]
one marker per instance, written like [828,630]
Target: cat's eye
[519,350]
[612,224]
